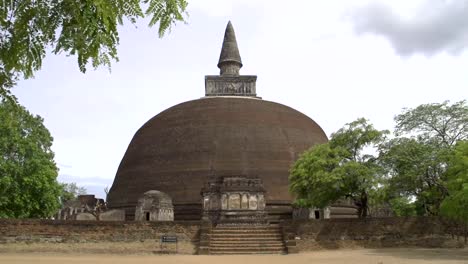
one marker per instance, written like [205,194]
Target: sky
[333,60]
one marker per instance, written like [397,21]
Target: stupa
[229,131]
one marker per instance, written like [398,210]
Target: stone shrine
[154,206]
[234,199]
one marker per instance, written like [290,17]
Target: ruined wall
[144,237]
[372,233]
[95,232]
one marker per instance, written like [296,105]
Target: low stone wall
[107,233]
[371,233]
[127,237]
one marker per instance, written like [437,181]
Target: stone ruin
[234,199]
[89,208]
[342,208]
[154,206]
[311,213]
[82,204]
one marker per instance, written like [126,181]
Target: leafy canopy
[339,169]
[417,164]
[455,205]
[70,191]
[420,171]
[28,185]
[86,28]
[442,123]
[416,170]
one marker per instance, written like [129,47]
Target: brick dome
[229,132]
[179,149]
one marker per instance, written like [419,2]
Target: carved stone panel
[242,85]
[261,202]
[253,202]
[245,201]
[234,201]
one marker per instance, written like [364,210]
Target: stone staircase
[246,239]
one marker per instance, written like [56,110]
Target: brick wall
[373,233]
[144,237]
[47,231]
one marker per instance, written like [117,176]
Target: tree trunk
[466,232]
[363,206]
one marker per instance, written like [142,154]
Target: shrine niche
[234,199]
[154,206]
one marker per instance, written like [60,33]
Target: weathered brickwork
[299,235]
[372,233]
[47,231]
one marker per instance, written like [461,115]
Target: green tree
[416,170]
[86,28]
[455,205]
[402,206]
[70,191]
[441,124]
[417,160]
[342,168]
[28,185]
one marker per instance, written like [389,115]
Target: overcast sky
[334,61]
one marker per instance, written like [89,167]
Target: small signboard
[165,241]
[169,239]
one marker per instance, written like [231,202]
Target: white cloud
[435,26]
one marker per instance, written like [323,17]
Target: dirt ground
[361,256]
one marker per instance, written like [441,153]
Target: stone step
[249,253]
[247,227]
[247,239]
[246,245]
[250,239]
[256,250]
[246,235]
[244,232]
[240,249]
[232,235]
[261,233]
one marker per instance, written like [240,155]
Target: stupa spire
[229,60]
[229,82]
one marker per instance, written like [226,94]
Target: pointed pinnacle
[229,51]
